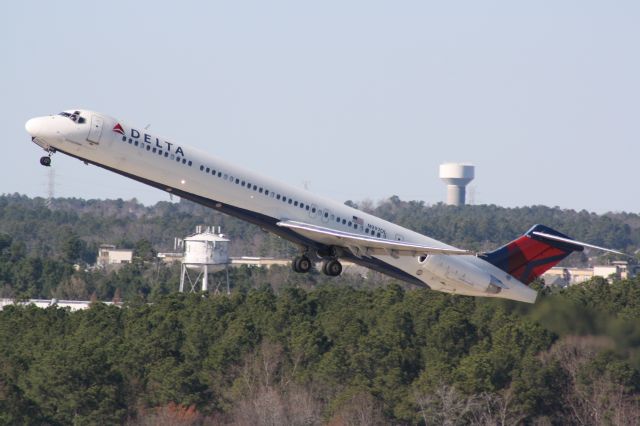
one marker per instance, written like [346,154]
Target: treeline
[334,354]
[487,226]
[41,242]
[47,230]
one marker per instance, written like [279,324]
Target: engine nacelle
[454,270]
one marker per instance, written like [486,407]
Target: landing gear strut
[332,267]
[301,264]
[46,160]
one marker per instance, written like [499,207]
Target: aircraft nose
[33,126]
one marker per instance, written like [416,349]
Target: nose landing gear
[46,160]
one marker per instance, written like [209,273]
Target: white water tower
[456,176]
[204,253]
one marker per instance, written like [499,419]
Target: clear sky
[361,99]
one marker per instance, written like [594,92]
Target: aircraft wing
[365,246]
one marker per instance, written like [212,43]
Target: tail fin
[532,254]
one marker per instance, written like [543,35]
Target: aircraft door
[95,131]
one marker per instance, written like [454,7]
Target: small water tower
[204,253]
[456,176]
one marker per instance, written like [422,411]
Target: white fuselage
[176,168]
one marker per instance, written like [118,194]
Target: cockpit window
[73,117]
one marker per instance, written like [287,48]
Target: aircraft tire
[45,161]
[301,264]
[304,264]
[332,267]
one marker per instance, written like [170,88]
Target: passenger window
[189,163]
[255,187]
[313,210]
[237,181]
[153,150]
[295,204]
[136,143]
[326,214]
[266,192]
[207,170]
[278,197]
[159,152]
[201,168]
[219,174]
[260,190]
[284,199]
[166,154]
[290,200]
[243,183]
[307,207]
[344,222]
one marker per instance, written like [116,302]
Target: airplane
[324,230]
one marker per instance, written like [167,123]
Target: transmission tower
[51,187]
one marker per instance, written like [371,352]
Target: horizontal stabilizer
[578,243]
[361,245]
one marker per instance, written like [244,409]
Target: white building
[73,305]
[563,277]
[109,255]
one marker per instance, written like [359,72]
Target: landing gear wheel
[332,267]
[45,161]
[301,264]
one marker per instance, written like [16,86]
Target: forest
[303,350]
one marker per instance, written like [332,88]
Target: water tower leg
[205,278]
[182,272]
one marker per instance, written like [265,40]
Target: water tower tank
[205,249]
[456,176]
[205,252]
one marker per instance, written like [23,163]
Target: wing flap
[363,246]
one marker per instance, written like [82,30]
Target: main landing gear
[301,264]
[330,266]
